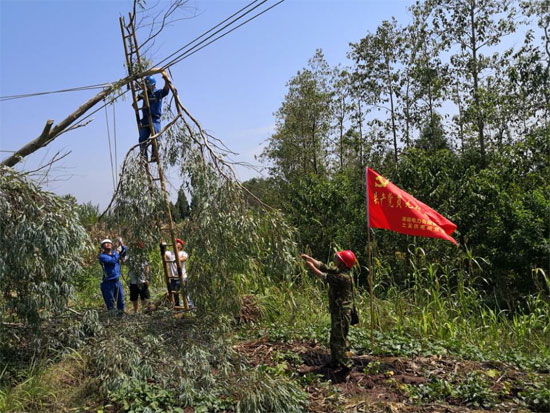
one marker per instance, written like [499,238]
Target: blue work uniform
[111,287]
[155,103]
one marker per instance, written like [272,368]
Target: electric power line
[110,150]
[102,106]
[183,55]
[209,30]
[74,89]
[187,53]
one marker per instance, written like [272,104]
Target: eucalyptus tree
[234,248]
[425,80]
[468,28]
[299,143]
[41,242]
[376,74]
[533,62]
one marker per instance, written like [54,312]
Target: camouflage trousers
[340,321]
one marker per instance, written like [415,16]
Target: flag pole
[369,248]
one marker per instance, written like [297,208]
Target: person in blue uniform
[155,103]
[111,287]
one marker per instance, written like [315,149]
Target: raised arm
[314,266]
[166,87]
[309,259]
[316,270]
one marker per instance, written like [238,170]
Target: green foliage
[485,170]
[537,397]
[303,122]
[475,391]
[262,392]
[432,137]
[89,214]
[140,396]
[228,240]
[136,209]
[41,242]
[435,389]
[181,209]
[31,394]
[186,365]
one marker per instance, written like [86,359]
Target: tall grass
[32,393]
[442,307]
[447,304]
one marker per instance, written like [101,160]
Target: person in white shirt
[173,268]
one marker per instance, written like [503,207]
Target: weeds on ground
[441,313]
[195,366]
[537,396]
[30,394]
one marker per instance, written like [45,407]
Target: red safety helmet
[179,241]
[347,257]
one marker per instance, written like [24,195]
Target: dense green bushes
[41,242]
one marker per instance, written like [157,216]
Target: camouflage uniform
[340,303]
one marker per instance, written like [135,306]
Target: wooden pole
[369,247]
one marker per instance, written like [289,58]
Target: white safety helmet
[106,240]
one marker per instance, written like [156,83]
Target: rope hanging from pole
[115,139]
[110,149]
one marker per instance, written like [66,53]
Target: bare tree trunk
[314,146]
[407,113]
[341,121]
[475,75]
[393,127]
[360,133]
[460,121]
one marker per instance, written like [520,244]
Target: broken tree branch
[49,134]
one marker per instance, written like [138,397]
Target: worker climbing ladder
[134,64]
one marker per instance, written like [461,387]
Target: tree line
[454,108]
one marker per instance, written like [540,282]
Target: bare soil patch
[376,384]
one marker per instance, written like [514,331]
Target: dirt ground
[375,384]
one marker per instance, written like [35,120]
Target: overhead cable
[190,51]
[186,54]
[208,31]
[74,89]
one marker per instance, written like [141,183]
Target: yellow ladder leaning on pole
[133,62]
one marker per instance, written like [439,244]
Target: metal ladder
[133,63]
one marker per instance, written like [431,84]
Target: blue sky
[232,87]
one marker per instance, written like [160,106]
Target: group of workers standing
[111,286]
[338,276]
[111,258]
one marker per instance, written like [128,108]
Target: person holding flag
[340,298]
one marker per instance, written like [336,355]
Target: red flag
[389,207]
